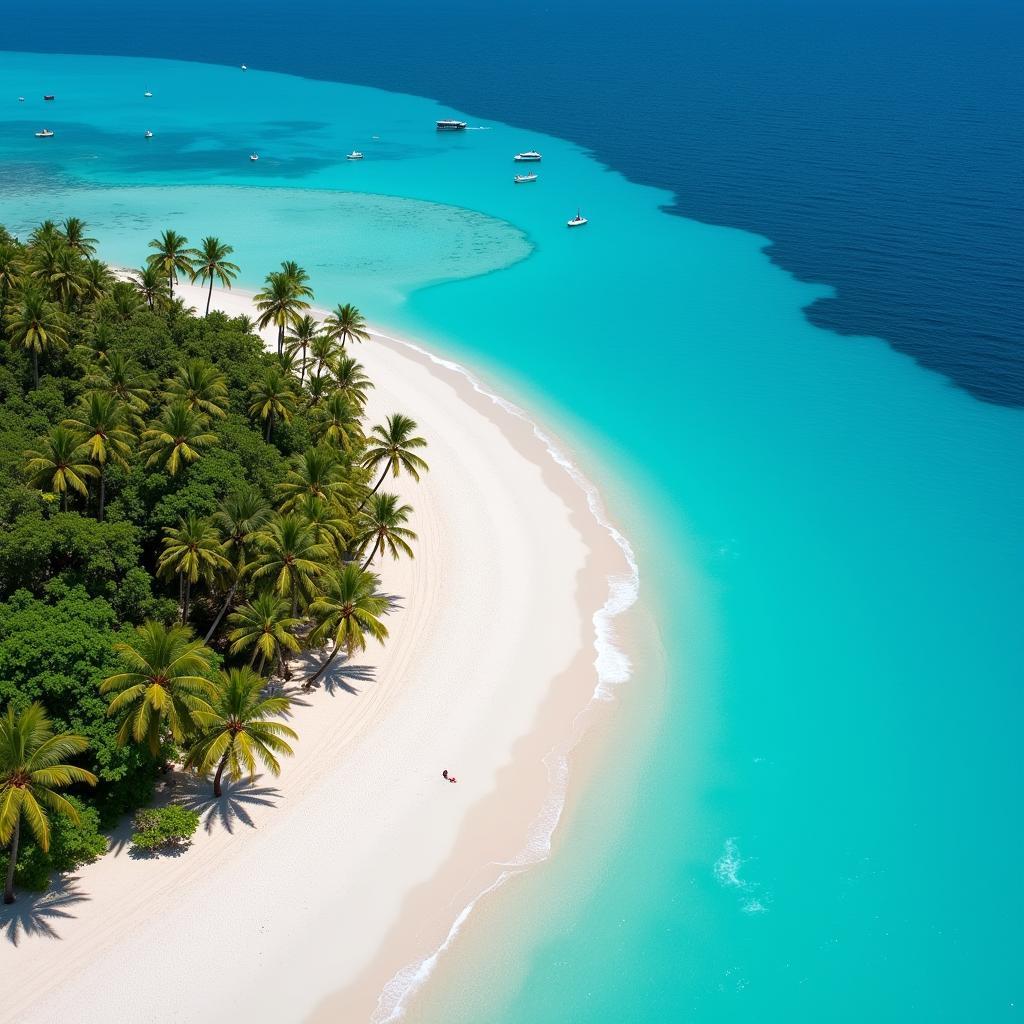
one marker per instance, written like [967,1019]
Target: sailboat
[577,222]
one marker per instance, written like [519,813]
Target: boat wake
[612,669]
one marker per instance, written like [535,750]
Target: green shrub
[164,827]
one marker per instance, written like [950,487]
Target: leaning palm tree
[35,325]
[304,332]
[74,231]
[316,471]
[192,549]
[273,398]
[150,283]
[101,420]
[350,378]
[31,772]
[265,625]
[394,446]
[241,729]
[383,522]
[61,464]
[290,558]
[201,386]
[324,350]
[172,257]
[346,324]
[280,303]
[210,262]
[348,609]
[164,687]
[243,514]
[176,438]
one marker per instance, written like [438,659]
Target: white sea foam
[612,668]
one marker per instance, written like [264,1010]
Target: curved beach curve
[359,859]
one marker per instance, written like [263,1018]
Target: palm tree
[101,421]
[318,388]
[304,331]
[172,257]
[61,463]
[176,438]
[265,625]
[150,284]
[164,687]
[273,398]
[122,377]
[241,728]
[201,386]
[349,608]
[243,514]
[346,324]
[74,231]
[36,325]
[124,299]
[211,263]
[324,349]
[191,549]
[31,772]
[45,234]
[316,471]
[383,522]
[96,281]
[282,300]
[327,520]
[394,445]
[290,557]
[336,422]
[351,380]
[11,270]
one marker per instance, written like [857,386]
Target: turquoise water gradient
[826,822]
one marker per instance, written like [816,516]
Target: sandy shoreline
[357,861]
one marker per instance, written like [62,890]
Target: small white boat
[21,99]
[577,222]
[244,68]
[354,155]
[149,134]
[448,125]
[147,94]
[254,156]
[530,156]
[44,134]
[521,179]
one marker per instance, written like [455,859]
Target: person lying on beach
[447,777]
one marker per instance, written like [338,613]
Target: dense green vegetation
[181,514]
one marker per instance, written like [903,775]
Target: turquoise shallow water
[827,819]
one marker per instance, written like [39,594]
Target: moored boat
[147,94]
[577,222]
[354,155]
[50,96]
[44,134]
[530,156]
[521,179]
[254,156]
[149,134]
[448,125]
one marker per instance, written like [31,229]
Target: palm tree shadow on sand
[35,914]
[232,807]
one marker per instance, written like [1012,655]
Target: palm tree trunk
[373,552]
[9,884]
[280,338]
[223,609]
[220,772]
[255,651]
[35,368]
[320,671]
[302,374]
[270,426]
[103,490]
[209,295]
[170,284]
[376,486]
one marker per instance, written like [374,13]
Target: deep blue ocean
[879,145]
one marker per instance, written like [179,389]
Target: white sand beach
[302,896]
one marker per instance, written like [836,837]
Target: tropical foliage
[184,518]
